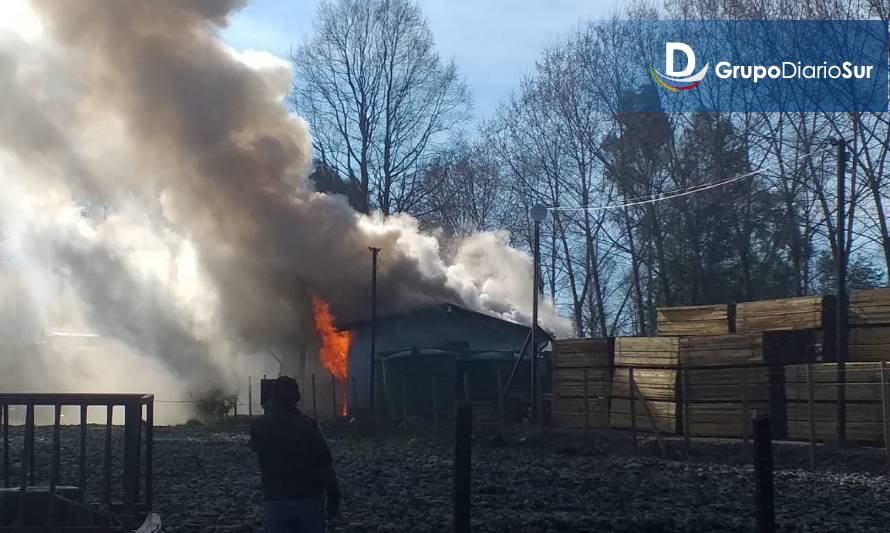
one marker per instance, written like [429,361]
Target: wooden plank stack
[869,344]
[569,361]
[695,320]
[863,401]
[722,394]
[721,350]
[654,361]
[807,312]
[870,307]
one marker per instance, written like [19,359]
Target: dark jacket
[295,461]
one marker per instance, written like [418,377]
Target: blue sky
[493,42]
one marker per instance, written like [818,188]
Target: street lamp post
[374,253]
[538,214]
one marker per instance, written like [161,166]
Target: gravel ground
[207,480]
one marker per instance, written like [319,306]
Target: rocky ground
[206,480]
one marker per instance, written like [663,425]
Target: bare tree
[378,98]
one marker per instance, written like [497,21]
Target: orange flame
[334,351]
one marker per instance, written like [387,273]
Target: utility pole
[538,213]
[841,280]
[374,253]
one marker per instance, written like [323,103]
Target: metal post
[534,334]
[374,253]
[811,415]
[633,414]
[462,468]
[314,400]
[764,492]
[841,304]
[884,409]
[249,395]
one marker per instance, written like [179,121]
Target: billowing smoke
[154,193]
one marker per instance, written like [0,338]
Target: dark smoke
[134,112]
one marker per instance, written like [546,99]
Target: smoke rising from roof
[155,194]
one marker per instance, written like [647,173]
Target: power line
[660,197]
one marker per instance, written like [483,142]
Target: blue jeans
[294,516]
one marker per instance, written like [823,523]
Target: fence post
[633,414]
[314,400]
[54,466]
[404,401]
[29,438]
[149,452]
[466,387]
[333,398]
[106,465]
[235,405]
[810,414]
[884,408]
[684,390]
[764,491]
[82,461]
[462,468]
[5,413]
[746,413]
[435,405]
[132,422]
[586,410]
[500,384]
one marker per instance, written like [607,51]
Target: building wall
[429,329]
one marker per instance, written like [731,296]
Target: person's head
[285,393]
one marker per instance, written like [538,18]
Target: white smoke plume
[154,193]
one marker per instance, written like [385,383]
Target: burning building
[465,352]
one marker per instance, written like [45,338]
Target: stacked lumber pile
[869,344]
[869,318]
[653,361]
[864,410]
[807,312]
[721,395]
[870,307]
[696,320]
[570,361]
[722,350]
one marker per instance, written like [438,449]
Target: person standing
[296,466]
